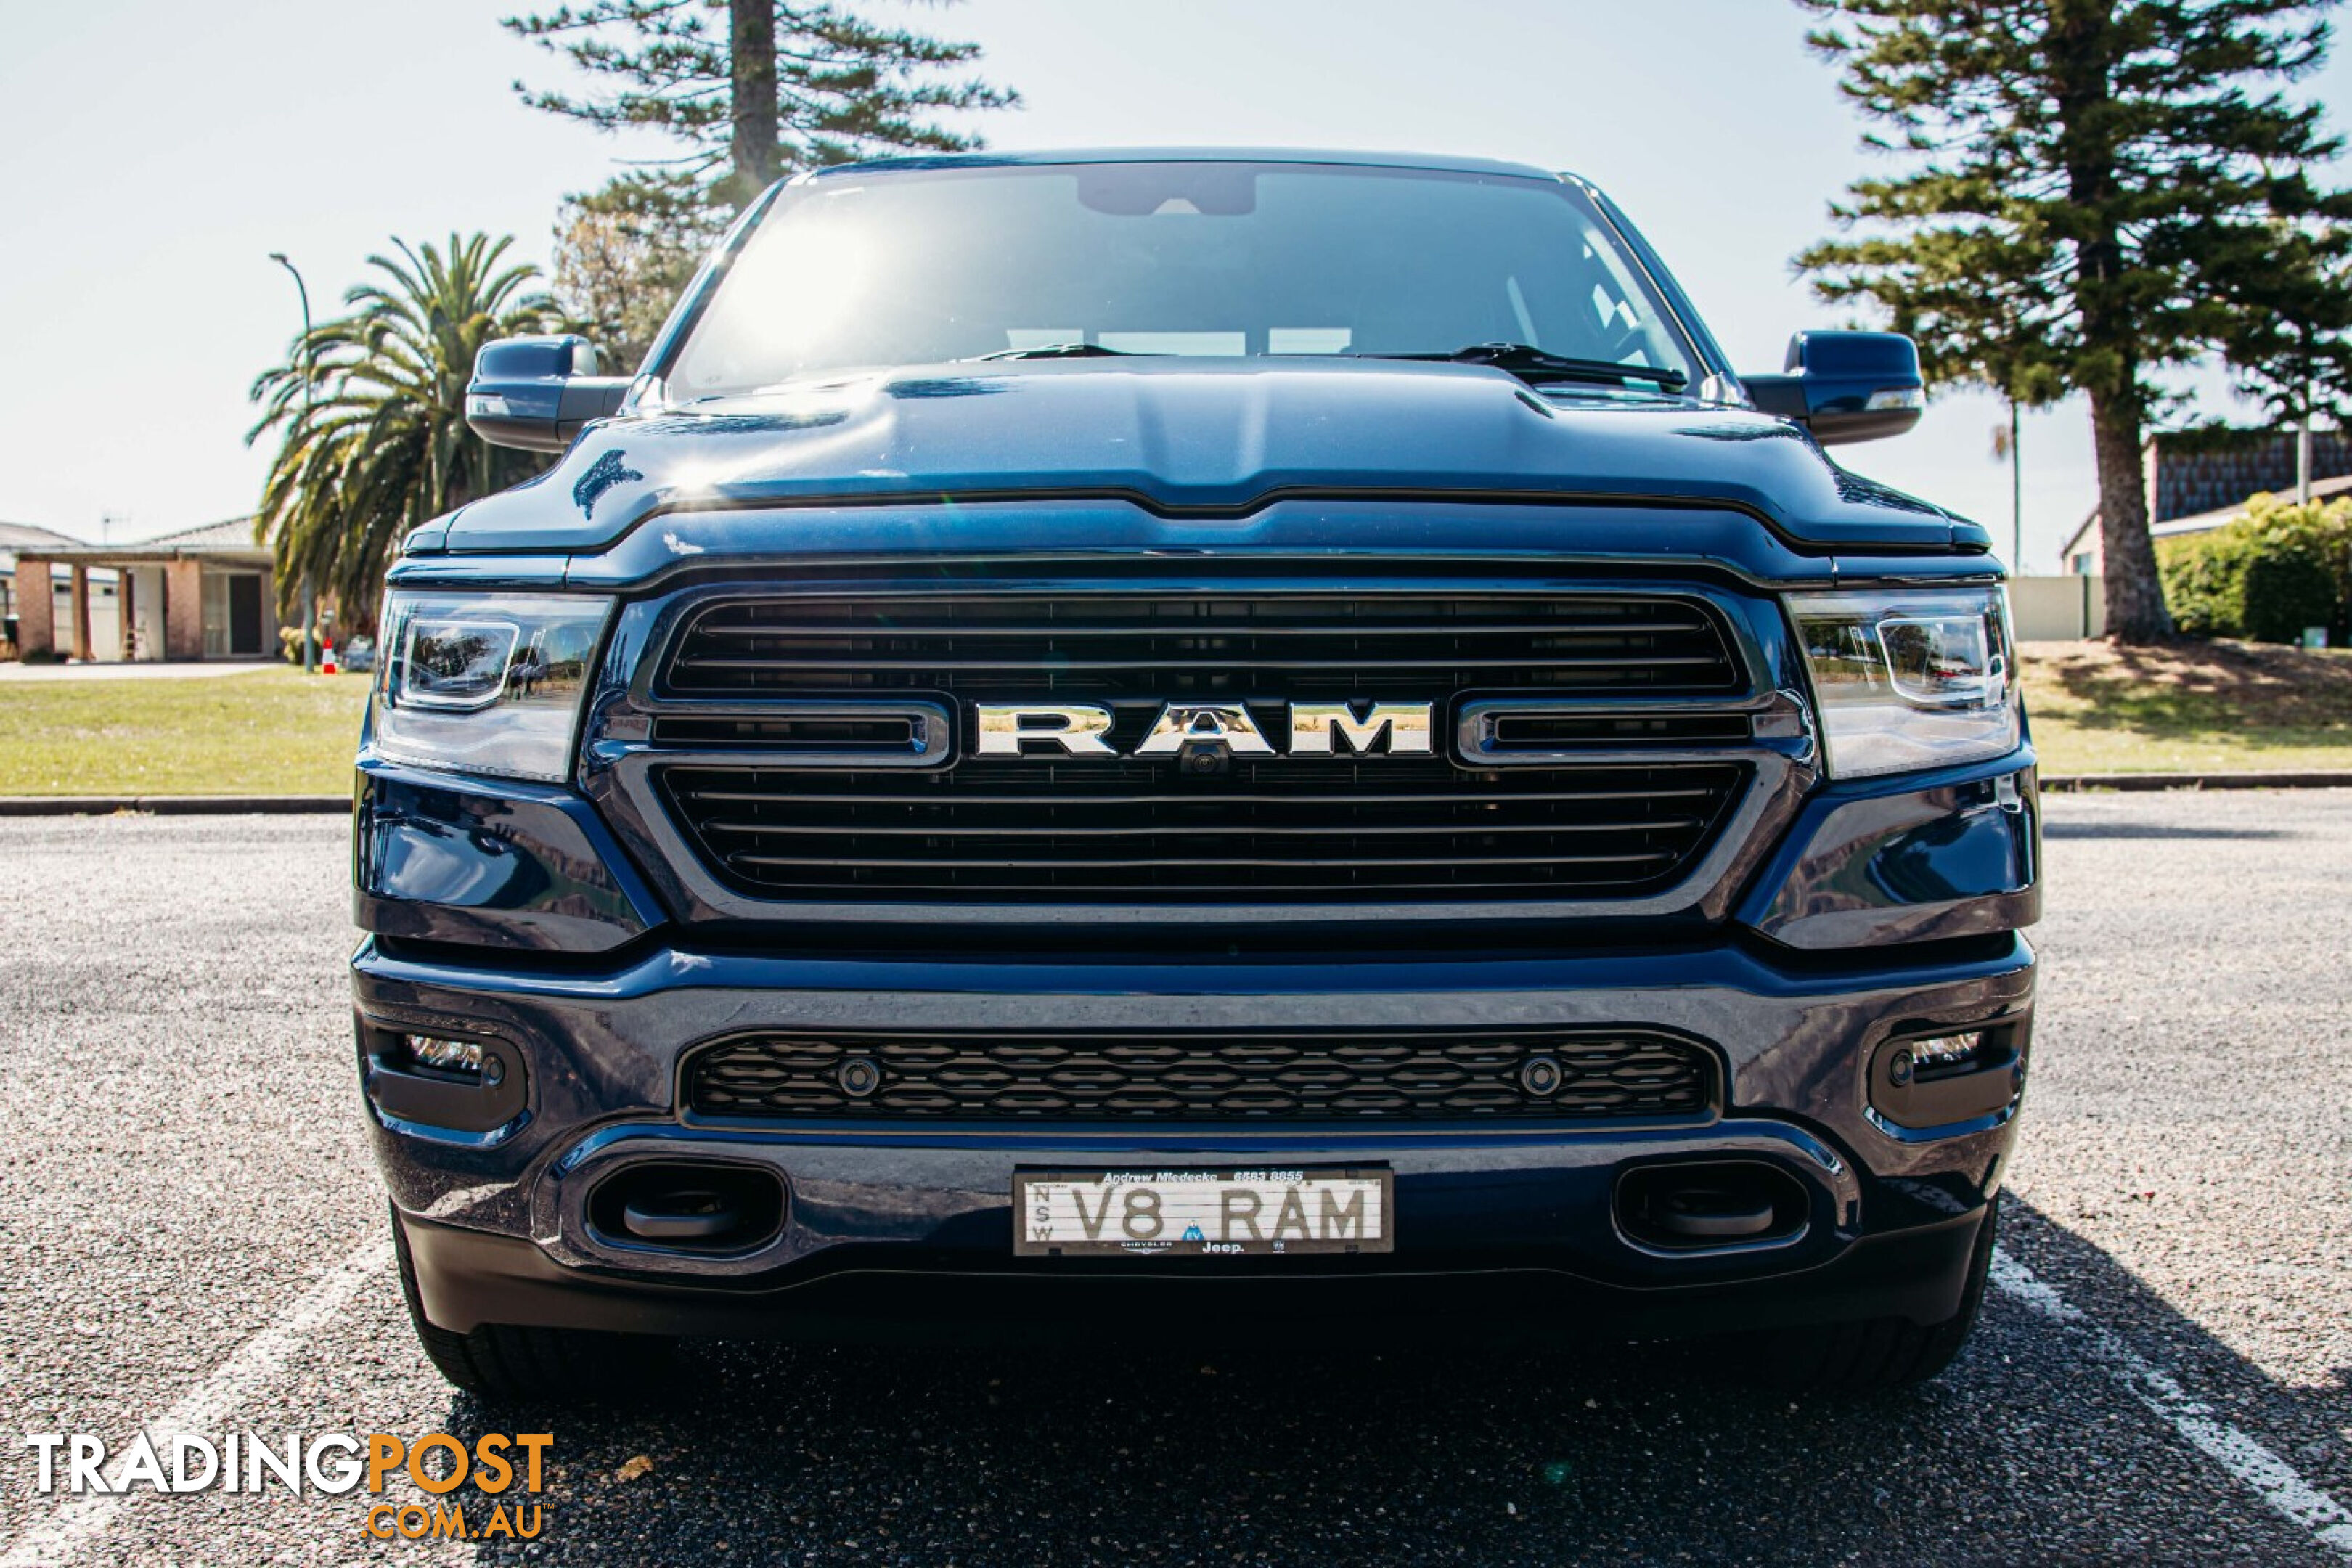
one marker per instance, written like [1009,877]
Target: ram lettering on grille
[1164,745]
[1082,729]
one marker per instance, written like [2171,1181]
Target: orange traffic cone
[327,659]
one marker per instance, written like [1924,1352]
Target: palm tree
[372,408]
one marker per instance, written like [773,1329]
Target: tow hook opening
[683,1206]
[1692,1204]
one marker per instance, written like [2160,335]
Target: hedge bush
[2267,575]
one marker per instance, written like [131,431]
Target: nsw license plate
[1229,1213]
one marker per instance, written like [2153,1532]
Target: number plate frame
[1051,1208]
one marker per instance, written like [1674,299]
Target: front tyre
[1879,1353]
[504,1363]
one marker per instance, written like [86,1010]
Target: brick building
[202,592]
[15,539]
[2197,480]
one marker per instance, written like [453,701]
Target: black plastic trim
[468,1277]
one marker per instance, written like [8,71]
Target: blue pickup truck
[1193,741]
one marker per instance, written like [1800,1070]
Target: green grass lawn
[273,731]
[2188,708]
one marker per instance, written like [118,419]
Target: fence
[2058,609]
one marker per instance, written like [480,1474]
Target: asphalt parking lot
[192,1238]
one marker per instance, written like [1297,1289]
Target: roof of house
[235,534]
[229,539]
[16,537]
[2204,522]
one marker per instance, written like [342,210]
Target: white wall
[105,619]
[2058,609]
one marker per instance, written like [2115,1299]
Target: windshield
[1218,258]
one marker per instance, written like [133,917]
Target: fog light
[1946,1054]
[1943,1081]
[464,1057]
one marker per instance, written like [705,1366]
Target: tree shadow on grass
[1432,1449]
[2251,694]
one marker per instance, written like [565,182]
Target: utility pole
[2004,449]
[309,599]
[2016,495]
[2303,451]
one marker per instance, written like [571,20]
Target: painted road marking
[60,1537]
[2275,1480]
[206,1407]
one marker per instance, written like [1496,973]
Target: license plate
[1228,1213]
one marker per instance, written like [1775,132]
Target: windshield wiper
[1053,350]
[1535,366]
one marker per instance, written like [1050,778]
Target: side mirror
[536,392]
[1846,387]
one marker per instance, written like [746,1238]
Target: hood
[1188,437]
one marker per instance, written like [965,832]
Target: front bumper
[500,1222]
[573,931]
[466,1278]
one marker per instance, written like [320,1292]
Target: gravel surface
[179,1163]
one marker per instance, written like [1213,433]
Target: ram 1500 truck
[1201,739]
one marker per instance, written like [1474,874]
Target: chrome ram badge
[1317,729]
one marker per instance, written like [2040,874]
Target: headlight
[484,683]
[1910,680]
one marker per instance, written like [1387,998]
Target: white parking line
[57,1538]
[204,1408]
[2303,1504]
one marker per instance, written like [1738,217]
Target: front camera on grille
[859,1077]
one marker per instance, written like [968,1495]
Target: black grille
[1277,828]
[1269,645]
[1267,829]
[1541,1075]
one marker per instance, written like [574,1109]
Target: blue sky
[158,151]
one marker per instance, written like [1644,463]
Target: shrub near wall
[2266,576]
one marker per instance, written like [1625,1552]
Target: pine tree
[750,90]
[2295,357]
[2086,189]
[755,89]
